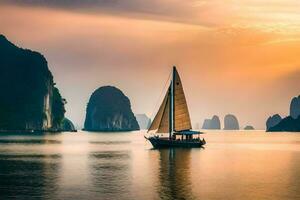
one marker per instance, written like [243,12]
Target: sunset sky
[234,56]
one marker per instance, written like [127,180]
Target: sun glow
[247,46]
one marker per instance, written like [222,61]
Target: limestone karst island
[109,110]
[29,98]
[290,123]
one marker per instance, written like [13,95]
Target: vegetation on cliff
[28,98]
[58,108]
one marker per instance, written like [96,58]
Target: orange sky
[239,57]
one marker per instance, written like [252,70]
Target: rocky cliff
[295,107]
[143,120]
[28,98]
[213,123]
[290,123]
[67,125]
[206,124]
[248,127]
[273,121]
[231,122]
[109,110]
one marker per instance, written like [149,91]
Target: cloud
[147,6]
[271,16]
[61,3]
[173,10]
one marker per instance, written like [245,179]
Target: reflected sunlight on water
[233,165]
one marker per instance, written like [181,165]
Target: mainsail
[180,117]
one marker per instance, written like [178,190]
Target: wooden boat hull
[158,143]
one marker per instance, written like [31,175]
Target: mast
[171,110]
[173,114]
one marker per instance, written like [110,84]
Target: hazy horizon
[233,57]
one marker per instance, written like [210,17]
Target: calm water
[241,165]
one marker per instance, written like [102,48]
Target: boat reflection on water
[174,174]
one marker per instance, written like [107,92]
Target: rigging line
[161,94]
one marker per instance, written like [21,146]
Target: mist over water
[233,165]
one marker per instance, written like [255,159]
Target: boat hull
[159,143]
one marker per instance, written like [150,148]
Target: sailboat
[173,117]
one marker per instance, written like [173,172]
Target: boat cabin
[187,135]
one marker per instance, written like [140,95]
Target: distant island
[290,123]
[29,100]
[67,125]
[249,127]
[272,121]
[143,120]
[109,109]
[231,122]
[213,123]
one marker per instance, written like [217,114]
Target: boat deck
[165,142]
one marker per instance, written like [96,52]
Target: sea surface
[90,166]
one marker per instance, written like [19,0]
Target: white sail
[182,119]
[160,122]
